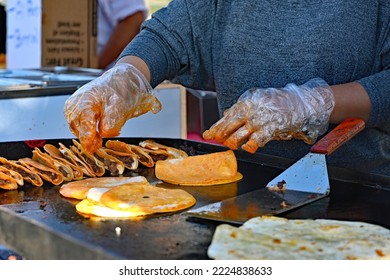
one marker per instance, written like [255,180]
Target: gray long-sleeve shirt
[230,46]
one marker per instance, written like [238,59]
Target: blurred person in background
[119,21]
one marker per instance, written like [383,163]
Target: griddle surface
[39,223]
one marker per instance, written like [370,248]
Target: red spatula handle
[338,136]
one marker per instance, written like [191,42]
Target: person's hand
[261,115]
[101,107]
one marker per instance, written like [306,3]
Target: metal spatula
[310,173]
[302,183]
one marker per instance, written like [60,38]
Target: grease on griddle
[279,187]
[42,205]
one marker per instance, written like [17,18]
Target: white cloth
[111,12]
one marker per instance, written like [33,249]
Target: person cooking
[286,70]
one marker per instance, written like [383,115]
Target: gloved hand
[261,115]
[101,107]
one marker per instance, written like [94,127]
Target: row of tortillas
[124,197]
[57,165]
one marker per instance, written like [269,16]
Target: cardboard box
[47,33]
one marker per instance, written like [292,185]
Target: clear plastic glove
[261,115]
[101,107]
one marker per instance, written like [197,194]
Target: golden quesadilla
[79,189]
[199,170]
[134,200]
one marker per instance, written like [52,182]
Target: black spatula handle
[338,136]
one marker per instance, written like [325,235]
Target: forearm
[351,100]
[123,33]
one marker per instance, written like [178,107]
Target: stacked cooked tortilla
[125,197]
[200,170]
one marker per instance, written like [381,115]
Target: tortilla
[15,175]
[75,159]
[48,174]
[51,162]
[143,157]
[134,200]
[111,164]
[87,207]
[79,189]
[200,170]
[93,162]
[275,238]
[7,182]
[28,175]
[147,198]
[129,160]
[55,153]
[160,151]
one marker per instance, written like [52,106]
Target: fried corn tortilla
[148,198]
[79,189]
[120,146]
[48,174]
[75,159]
[51,162]
[94,164]
[134,200]
[275,238]
[15,175]
[87,208]
[7,182]
[200,170]
[111,164]
[28,175]
[158,150]
[55,153]
[129,160]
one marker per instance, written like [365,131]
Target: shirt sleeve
[175,40]
[120,9]
[378,84]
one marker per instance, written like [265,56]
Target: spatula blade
[309,174]
[260,202]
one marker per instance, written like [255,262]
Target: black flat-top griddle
[40,224]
